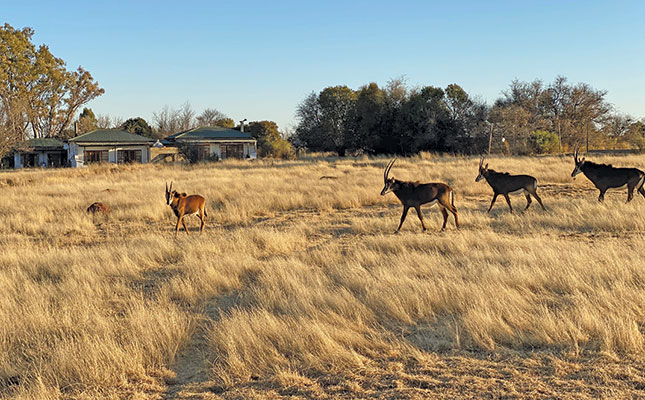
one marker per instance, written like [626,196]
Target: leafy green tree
[336,105]
[37,87]
[308,132]
[270,142]
[87,121]
[224,123]
[325,119]
[420,121]
[369,113]
[139,126]
[545,142]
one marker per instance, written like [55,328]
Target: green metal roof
[43,143]
[210,133]
[111,136]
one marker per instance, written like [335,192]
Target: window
[95,156]
[232,150]
[30,160]
[128,156]
[56,159]
[203,152]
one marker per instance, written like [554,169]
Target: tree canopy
[39,97]
[529,117]
[139,126]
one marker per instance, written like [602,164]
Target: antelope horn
[387,170]
[170,190]
[166,187]
[481,162]
[575,152]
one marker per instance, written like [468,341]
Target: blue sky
[259,59]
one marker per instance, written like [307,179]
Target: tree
[545,142]
[212,117]
[513,123]
[369,112]
[166,121]
[635,135]
[186,116]
[270,142]
[422,120]
[12,123]
[308,132]
[325,119]
[86,122]
[139,126]
[37,85]
[106,122]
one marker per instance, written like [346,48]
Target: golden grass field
[299,289]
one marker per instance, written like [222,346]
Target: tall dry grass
[298,282]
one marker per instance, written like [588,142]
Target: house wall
[249,150]
[42,159]
[77,153]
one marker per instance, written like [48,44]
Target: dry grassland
[299,289]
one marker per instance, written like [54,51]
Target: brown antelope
[504,183]
[99,208]
[414,194]
[605,176]
[183,205]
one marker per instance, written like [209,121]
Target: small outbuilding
[215,143]
[42,152]
[109,145]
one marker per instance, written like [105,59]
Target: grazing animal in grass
[99,208]
[183,205]
[605,176]
[504,183]
[415,194]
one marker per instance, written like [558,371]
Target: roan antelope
[504,183]
[605,176]
[414,194]
[183,205]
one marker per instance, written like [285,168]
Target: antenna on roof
[242,125]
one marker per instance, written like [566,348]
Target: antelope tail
[452,198]
[205,213]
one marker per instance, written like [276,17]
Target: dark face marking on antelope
[415,194]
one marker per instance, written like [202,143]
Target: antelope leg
[405,213]
[508,200]
[418,208]
[492,202]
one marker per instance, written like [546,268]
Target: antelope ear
[486,166]
[184,195]
[175,194]
[583,160]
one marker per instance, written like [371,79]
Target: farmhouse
[208,143]
[45,152]
[109,145]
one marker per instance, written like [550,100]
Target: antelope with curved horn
[605,176]
[183,205]
[415,194]
[504,183]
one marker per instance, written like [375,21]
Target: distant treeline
[530,117]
